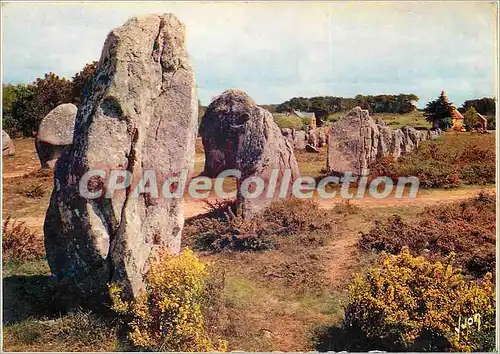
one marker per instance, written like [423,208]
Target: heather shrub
[19,243]
[465,228]
[223,230]
[174,311]
[412,304]
[295,215]
[454,159]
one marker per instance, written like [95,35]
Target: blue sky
[278,50]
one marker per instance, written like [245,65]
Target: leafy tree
[439,112]
[325,105]
[34,101]
[470,118]
[10,94]
[485,105]
[20,109]
[81,82]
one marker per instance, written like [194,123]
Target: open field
[394,120]
[275,299]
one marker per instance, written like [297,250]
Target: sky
[278,50]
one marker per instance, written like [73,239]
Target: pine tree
[439,112]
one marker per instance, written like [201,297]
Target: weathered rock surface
[316,137]
[55,134]
[356,141]
[244,136]
[433,134]
[299,140]
[386,140]
[353,143]
[140,114]
[311,148]
[8,148]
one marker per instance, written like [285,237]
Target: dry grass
[19,243]
[80,331]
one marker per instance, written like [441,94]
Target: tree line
[324,105]
[25,105]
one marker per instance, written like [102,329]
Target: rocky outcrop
[8,148]
[236,133]
[356,141]
[433,134]
[300,139]
[139,115]
[55,134]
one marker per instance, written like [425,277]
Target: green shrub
[411,304]
[171,314]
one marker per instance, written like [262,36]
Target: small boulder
[55,134]
[310,148]
[8,148]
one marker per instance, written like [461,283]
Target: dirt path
[193,207]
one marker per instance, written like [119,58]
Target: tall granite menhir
[238,134]
[140,114]
[356,141]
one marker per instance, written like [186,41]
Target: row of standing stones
[141,114]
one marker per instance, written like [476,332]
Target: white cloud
[279,50]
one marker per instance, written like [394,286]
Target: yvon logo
[468,322]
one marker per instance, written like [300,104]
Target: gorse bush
[221,229]
[170,315]
[19,243]
[466,228]
[411,304]
[447,162]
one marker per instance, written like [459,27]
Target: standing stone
[321,137]
[352,143]
[8,148]
[140,115]
[299,140]
[434,133]
[312,139]
[385,142]
[398,146]
[316,137]
[55,134]
[409,142]
[249,141]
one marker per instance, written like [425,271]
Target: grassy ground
[394,120]
[266,311]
